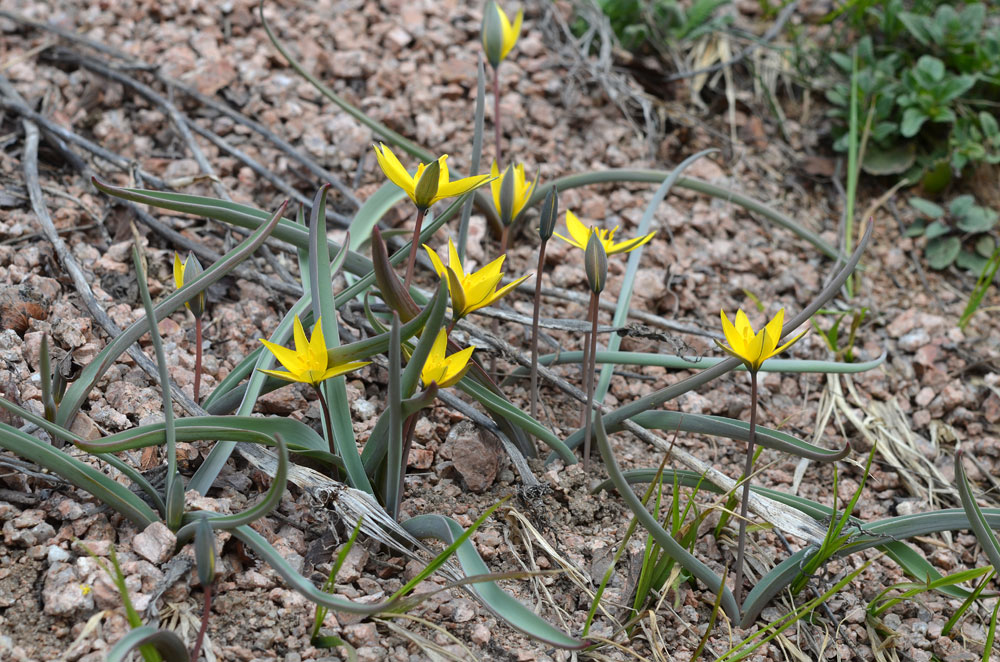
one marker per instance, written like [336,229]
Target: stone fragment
[475,456]
[155,543]
[63,593]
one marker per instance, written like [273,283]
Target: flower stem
[326,418]
[585,361]
[204,623]
[534,331]
[744,503]
[197,359]
[496,113]
[413,248]
[504,238]
[591,364]
[408,427]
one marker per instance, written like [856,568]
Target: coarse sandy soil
[412,66]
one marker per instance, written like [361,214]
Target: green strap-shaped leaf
[721,426]
[82,475]
[492,596]
[980,526]
[167,644]
[703,363]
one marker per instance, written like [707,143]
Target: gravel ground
[412,66]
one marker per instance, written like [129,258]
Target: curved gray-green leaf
[705,362]
[166,643]
[493,597]
[721,426]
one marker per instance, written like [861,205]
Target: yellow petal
[286,357]
[439,348]
[733,337]
[436,261]
[788,344]
[394,170]
[495,185]
[317,347]
[743,326]
[456,367]
[459,187]
[341,369]
[577,230]
[630,245]
[178,272]
[457,294]
[301,343]
[773,332]
[502,291]
[481,284]
[287,376]
[510,33]
[571,242]
[453,260]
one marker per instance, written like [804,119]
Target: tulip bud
[507,196]
[185,272]
[492,33]
[427,185]
[547,214]
[596,263]
[204,551]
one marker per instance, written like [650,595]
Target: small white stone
[57,554]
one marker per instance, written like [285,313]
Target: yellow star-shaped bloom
[445,188]
[192,268]
[473,291]
[499,36]
[522,192]
[308,362]
[445,370]
[580,233]
[753,348]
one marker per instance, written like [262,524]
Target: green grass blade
[395,463]
[492,596]
[687,561]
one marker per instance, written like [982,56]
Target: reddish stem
[504,238]
[534,330]
[413,248]
[197,359]
[751,438]
[326,418]
[204,623]
[591,361]
[496,113]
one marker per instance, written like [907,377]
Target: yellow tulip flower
[580,233]
[308,362]
[508,210]
[424,197]
[753,348]
[473,291]
[445,370]
[499,36]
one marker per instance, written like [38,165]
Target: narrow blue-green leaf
[205,428]
[721,426]
[395,463]
[175,486]
[493,597]
[663,538]
[323,307]
[109,492]
[411,375]
[77,393]
[632,268]
[477,154]
[167,644]
[705,362]
[516,417]
[984,534]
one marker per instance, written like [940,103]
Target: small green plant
[927,80]
[658,24]
[843,350]
[960,234]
